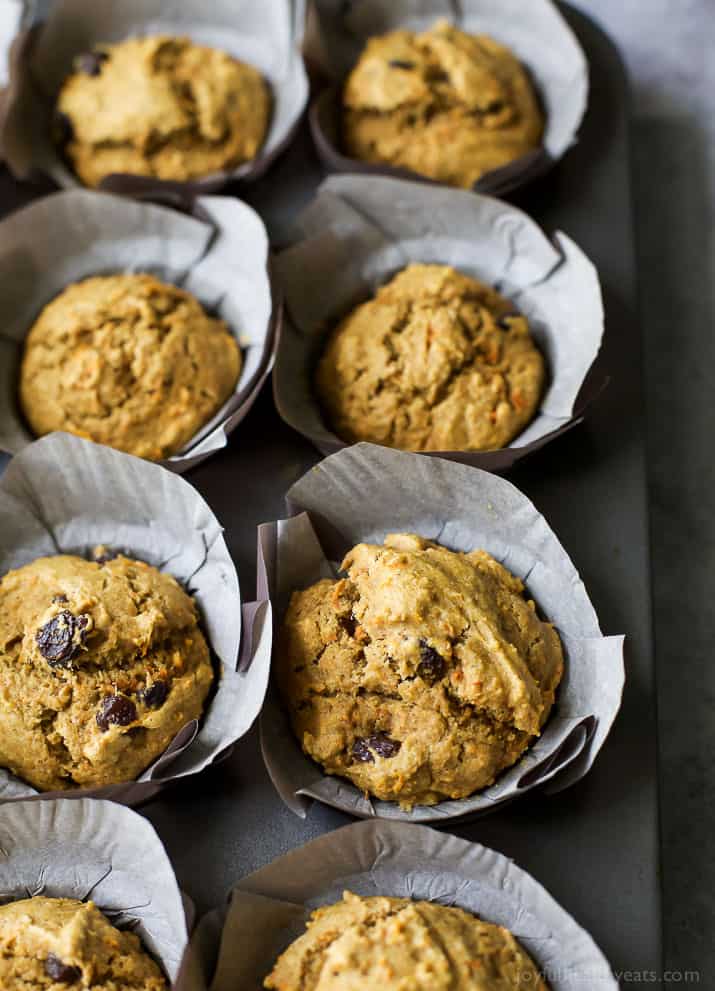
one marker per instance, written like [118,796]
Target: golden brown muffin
[435,361]
[127,361]
[101,664]
[394,944]
[448,105]
[54,944]
[160,106]
[420,675]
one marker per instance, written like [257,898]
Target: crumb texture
[127,361]
[101,664]
[446,104]
[435,361]
[421,674]
[161,106]
[58,944]
[394,944]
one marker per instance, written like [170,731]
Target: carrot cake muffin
[101,664]
[435,361]
[160,106]
[446,104]
[127,361]
[50,944]
[420,675]
[395,944]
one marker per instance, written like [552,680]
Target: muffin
[391,944]
[446,104]
[53,943]
[127,361]
[421,674]
[101,664]
[435,361]
[160,106]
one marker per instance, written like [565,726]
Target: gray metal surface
[594,846]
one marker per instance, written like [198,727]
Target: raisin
[154,695]
[62,127]
[431,666]
[60,971]
[61,637]
[90,63]
[115,710]
[398,63]
[365,747]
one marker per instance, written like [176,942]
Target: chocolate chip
[60,971]
[62,128]
[61,637]
[115,710]
[365,747]
[431,666]
[154,695]
[90,63]
[495,107]
[398,63]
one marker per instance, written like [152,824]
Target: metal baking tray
[594,846]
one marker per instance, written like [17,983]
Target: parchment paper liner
[365,492]
[11,17]
[65,495]
[220,255]
[267,35]
[535,31]
[268,909]
[100,851]
[358,232]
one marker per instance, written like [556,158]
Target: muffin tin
[594,847]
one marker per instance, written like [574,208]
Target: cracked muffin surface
[128,361]
[446,104]
[395,944]
[55,944]
[435,361]
[101,664]
[160,106]
[421,674]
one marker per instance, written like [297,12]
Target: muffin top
[435,361]
[59,943]
[127,361]
[101,664]
[160,106]
[420,675]
[446,104]
[394,944]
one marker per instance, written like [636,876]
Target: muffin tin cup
[267,910]
[98,851]
[536,32]
[359,231]
[64,495]
[365,492]
[267,35]
[220,254]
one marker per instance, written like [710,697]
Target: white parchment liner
[268,909]
[267,35]
[365,492]
[11,17]
[220,255]
[98,851]
[359,231]
[534,30]
[65,495]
